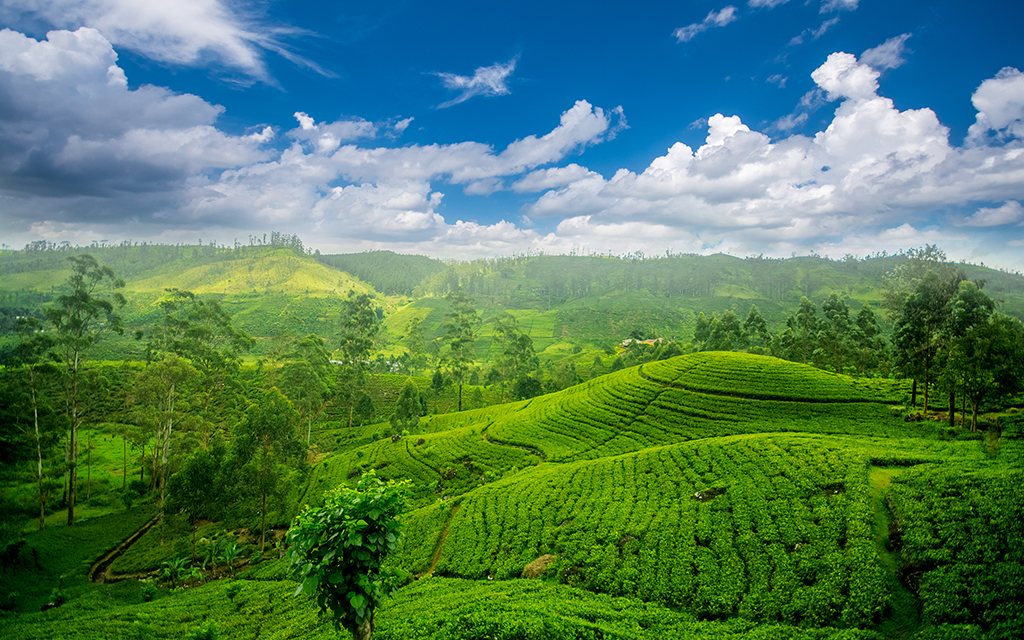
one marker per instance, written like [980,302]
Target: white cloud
[843,77]
[553,178]
[874,172]
[771,4]
[887,55]
[815,33]
[1010,213]
[713,19]
[1000,105]
[184,32]
[838,5]
[485,81]
[327,137]
[69,125]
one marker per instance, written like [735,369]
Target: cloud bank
[81,152]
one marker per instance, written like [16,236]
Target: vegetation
[569,446]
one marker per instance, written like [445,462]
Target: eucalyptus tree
[460,326]
[515,353]
[756,327]
[33,372]
[79,319]
[360,324]
[164,388]
[920,330]
[200,331]
[837,334]
[265,443]
[304,378]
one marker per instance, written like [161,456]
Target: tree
[161,386]
[304,379]
[194,490]
[407,410]
[201,332]
[837,334]
[918,332]
[338,550]
[756,327]
[264,440]
[986,348]
[460,323]
[515,349]
[41,431]
[79,319]
[871,346]
[726,332]
[803,332]
[359,327]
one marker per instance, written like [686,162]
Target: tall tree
[41,430]
[460,325]
[871,346]
[756,327]
[165,387]
[202,332]
[408,409]
[837,334]
[265,441]
[304,379]
[515,353]
[79,319]
[919,332]
[360,323]
[803,332]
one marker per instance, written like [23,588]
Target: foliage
[338,551]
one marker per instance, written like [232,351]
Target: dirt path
[99,572]
[440,543]
[904,617]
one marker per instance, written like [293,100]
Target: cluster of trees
[946,333]
[833,339]
[207,424]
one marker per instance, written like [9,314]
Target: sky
[462,130]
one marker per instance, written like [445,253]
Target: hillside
[710,495]
[561,302]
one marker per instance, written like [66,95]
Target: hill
[709,495]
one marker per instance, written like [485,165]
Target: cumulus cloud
[887,55]
[326,137]
[79,149]
[713,19]
[1000,105]
[1010,213]
[184,32]
[872,172]
[69,125]
[485,81]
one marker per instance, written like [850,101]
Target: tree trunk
[952,406]
[913,395]
[460,395]
[39,467]
[88,466]
[974,414]
[363,631]
[263,525]
[124,458]
[963,410]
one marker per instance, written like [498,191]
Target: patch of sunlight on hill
[34,280]
[736,291]
[277,272]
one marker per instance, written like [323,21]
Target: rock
[536,568]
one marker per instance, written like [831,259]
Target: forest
[530,446]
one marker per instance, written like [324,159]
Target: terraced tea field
[721,485]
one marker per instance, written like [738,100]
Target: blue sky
[463,130]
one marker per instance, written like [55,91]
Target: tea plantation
[712,495]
